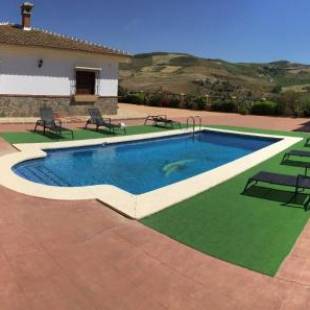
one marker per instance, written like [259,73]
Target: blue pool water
[142,166]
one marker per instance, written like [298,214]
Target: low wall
[24,106]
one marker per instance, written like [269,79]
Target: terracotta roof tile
[15,35]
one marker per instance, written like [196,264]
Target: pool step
[41,174]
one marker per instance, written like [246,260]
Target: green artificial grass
[79,134]
[256,230]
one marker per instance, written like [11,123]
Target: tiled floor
[229,119]
[82,255]
[135,114]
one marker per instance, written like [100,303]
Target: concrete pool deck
[82,255]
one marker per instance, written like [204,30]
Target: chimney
[26,9]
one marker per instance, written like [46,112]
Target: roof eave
[123,57]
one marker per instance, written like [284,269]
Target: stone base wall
[20,106]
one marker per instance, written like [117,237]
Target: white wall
[20,74]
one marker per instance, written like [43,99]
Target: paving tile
[180,257]
[208,298]
[33,266]
[14,300]
[164,287]
[138,269]
[298,298]
[16,240]
[107,246]
[302,247]
[56,292]
[267,295]
[292,268]
[103,298]
[136,233]
[159,246]
[74,229]
[94,259]
[6,148]
[306,232]
[8,279]
[305,273]
[11,295]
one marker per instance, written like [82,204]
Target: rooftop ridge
[32,36]
[78,40]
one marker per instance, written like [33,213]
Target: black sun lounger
[299,153]
[298,163]
[161,119]
[49,122]
[298,182]
[97,120]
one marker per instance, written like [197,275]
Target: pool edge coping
[142,205]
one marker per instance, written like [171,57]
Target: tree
[289,103]
[277,89]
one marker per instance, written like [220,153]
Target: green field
[79,134]
[256,231]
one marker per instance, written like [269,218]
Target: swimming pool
[140,166]
[146,172]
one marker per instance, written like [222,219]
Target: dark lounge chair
[297,182]
[49,122]
[297,163]
[298,153]
[97,120]
[161,120]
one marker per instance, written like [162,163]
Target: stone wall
[19,106]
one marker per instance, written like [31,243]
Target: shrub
[154,100]
[137,98]
[305,104]
[244,106]
[175,102]
[164,101]
[264,108]
[189,102]
[289,104]
[224,106]
[201,103]
[122,91]
[277,89]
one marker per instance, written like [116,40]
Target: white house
[38,68]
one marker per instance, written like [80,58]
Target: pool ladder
[193,119]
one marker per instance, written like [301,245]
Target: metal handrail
[199,120]
[194,123]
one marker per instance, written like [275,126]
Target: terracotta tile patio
[216,118]
[82,255]
[135,114]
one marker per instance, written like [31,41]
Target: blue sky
[234,30]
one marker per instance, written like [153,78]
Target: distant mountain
[184,73]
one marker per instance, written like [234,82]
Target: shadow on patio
[305,127]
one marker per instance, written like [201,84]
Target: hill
[184,73]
